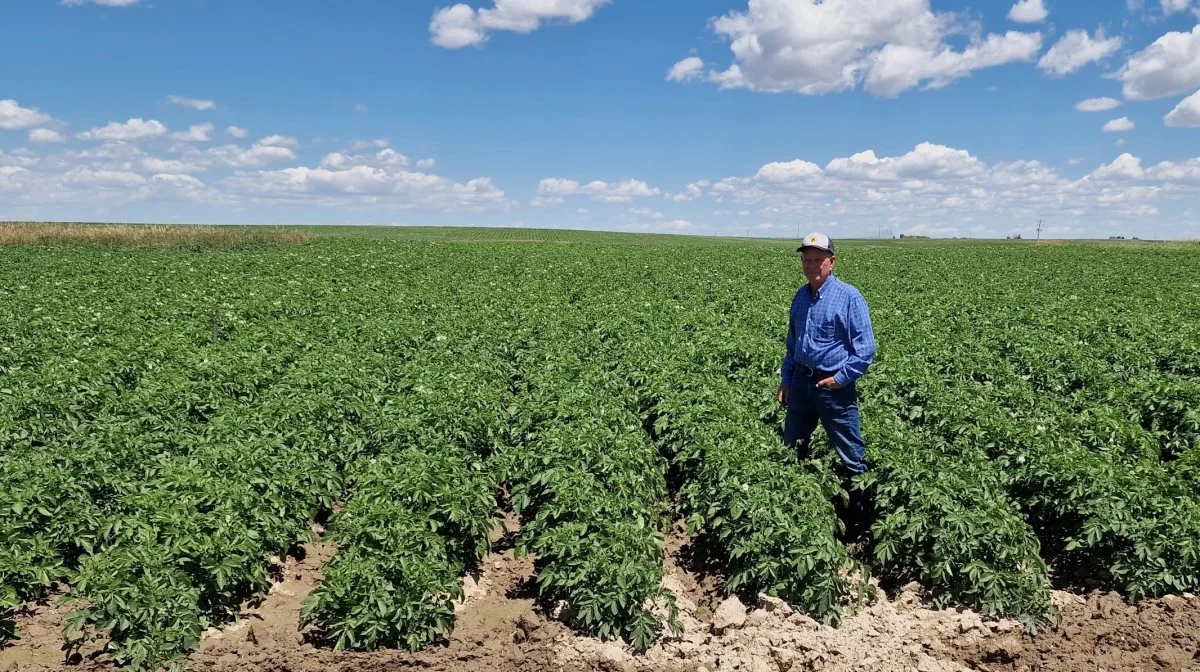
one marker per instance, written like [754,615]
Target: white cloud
[279,141]
[688,68]
[678,225]
[1187,171]
[103,178]
[1171,6]
[360,107]
[898,192]
[925,161]
[462,26]
[197,133]
[382,159]
[605,192]
[816,47]
[787,171]
[378,143]
[1118,125]
[254,157]
[646,212]
[194,103]
[1097,104]
[152,164]
[1186,114]
[1124,167]
[13,117]
[1075,50]
[178,181]
[367,185]
[426,164]
[1028,11]
[45,135]
[1170,66]
[132,130]
[691,192]
[236,132]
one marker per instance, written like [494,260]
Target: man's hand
[829,383]
[782,395]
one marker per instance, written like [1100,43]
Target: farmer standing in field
[830,344]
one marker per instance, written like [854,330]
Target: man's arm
[862,343]
[785,369]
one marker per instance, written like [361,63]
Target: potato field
[172,419]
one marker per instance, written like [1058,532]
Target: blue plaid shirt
[831,332]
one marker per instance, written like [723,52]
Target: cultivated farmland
[176,421]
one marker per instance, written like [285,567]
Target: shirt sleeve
[862,342]
[785,370]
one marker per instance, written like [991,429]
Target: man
[830,345]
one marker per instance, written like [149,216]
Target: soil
[499,627]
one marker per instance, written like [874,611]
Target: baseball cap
[817,241]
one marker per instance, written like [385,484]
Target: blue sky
[758,117]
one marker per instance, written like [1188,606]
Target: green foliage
[169,422]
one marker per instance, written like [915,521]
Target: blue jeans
[837,411]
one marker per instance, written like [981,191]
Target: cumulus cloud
[461,25]
[13,117]
[382,187]
[255,156]
[384,158]
[898,192]
[779,171]
[1075,50]
[926,161]
[691,67]
[236,132]
[426,164]
[130,131]
[605,192]
[691,192]
[117,173]
[1097,104]
[194,103]
[1186,114]
[646,212]
[1169,66]
[45,135]
[152,164]
[1028,11]
[279,141]
[1118,125]
[816,47]
[197,133]
[1171,6]
[1124,167]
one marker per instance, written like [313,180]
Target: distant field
[171,417]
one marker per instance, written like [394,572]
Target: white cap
[818,241]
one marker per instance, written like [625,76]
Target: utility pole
[1039,230]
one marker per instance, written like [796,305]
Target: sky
[858,118]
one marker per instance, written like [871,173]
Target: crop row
[420,511]
[590,489]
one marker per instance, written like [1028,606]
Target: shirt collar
[829,282]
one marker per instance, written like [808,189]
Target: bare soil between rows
[501,628]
